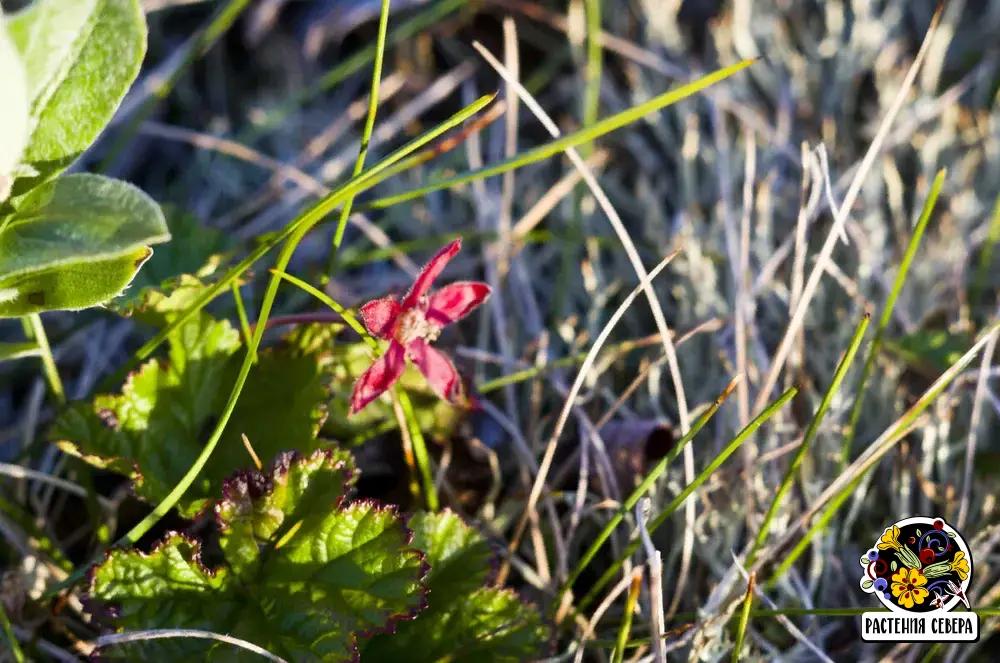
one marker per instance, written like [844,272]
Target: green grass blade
[8,631]
[309,218]
[351,320]
[832,503]
[38,335]
[986,257]
[366,135]
[578,227]
[641,490]
[430,16]
[810,434]
[420,454]
[744,619]
[904,268]
[737,442]
[584,135]
[241,312]
[626,626]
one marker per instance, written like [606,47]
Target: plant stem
[904,268]
[744,618]
[419,451]
[366,135]
[241,313]
[36,330]
[8,631]
[807,439]
[626,625]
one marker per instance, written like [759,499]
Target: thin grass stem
[810,434]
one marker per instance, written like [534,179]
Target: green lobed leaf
[155,429]
[463,620]
[13,111]
[161,306]
[303,576]
[75,242]
[81,57]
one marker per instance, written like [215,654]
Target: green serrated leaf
[154,430]
[13,111]
[81,57]
[75,242]
[463,620]
[303,577]
[893,566]
[867,584]
[160,307]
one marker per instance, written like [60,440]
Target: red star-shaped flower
[411,326]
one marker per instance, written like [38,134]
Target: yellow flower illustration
[890,539]
[960,565]
[908,587]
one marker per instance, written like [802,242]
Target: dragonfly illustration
[955,590]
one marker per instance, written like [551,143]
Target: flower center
[413,324]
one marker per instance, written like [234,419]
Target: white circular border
[954,601]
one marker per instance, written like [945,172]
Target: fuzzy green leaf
[303,576]
[154,430]
[75,242]
[13,111]
[463,620]
[81,57]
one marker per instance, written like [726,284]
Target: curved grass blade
[807,439]
[366,135]
[883,323]
[837,493]
[580,137]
